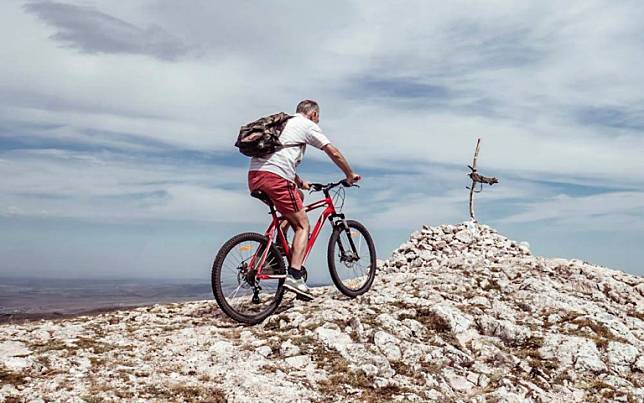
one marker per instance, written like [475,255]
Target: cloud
[599,212]
[91,31]
[612,117]
[109,187]
[451,73]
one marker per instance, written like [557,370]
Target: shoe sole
[299,294]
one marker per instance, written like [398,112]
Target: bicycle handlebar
[316,187]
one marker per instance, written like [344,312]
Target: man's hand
[301,183]
[306,185]
[353,178]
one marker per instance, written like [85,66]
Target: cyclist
[275,176]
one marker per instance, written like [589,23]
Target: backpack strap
[293,145]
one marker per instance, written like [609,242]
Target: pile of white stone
[430,247]
[457,313]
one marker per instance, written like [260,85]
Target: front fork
[339,221]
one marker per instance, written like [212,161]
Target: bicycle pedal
[303,298]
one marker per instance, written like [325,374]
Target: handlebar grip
[347,185]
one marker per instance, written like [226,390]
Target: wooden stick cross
[477,178]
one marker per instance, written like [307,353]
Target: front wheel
[352,258]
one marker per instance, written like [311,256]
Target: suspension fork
[341,223]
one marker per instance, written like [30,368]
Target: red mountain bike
[249,270]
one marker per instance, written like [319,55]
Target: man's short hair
[307,106]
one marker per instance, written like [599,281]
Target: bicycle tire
[216,275]
[331,253]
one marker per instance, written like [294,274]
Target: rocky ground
[458,313]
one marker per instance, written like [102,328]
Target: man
[275,176]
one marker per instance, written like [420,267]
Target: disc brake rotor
[349,259]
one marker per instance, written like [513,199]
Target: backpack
[261,137]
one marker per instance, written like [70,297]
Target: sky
[118,119]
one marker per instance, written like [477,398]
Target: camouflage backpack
[261,137]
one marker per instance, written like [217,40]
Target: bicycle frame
[275,229]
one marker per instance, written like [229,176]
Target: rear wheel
[352,270]
[238,291]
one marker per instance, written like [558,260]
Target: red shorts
[283,193]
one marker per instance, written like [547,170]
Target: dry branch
[477,178]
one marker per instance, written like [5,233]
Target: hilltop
[457,312]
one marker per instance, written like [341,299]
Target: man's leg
[295,280]
[285,225]
[300,223]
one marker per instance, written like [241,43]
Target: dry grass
[90,343]
[492,284]
[587,328]
[10,377]
[52,345]
[431,320]
[269,369]
[470,309]
[181,392]
[343,378]
[636,314]
[96,362]
[431,367]
[198,393]
[403,369]
[530,347]
[601,390]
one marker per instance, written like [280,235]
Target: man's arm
[342,163]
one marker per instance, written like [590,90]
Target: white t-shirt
[298,130]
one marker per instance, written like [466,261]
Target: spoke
[233,271]
[232,266]
[268,264]
[234,293]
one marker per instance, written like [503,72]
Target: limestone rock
[388,345]
[300,361]
[573,351]
[453,318]
[288,349]
[621,355]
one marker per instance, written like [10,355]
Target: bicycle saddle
[258,194]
